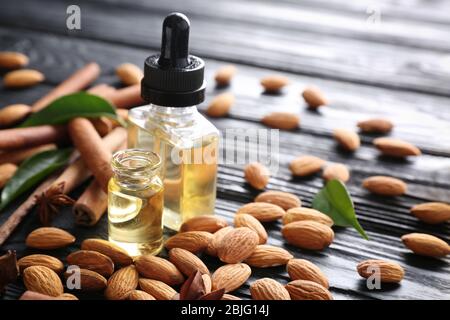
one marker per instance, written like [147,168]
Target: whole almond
[309,235]
[121,283]
[385,186]
[426,245]
[246,220]
[281,120]
[396,147]
[12,60]
[42,280]
[220,105]
[139,295]
[225,74]
[12,114]
[266,256]
[7,171]
[207,283]
[129,74]
[92,260]
[67,296]
[347,139]
[301,214]
[306,165]
[208,223]
[336,171]
[216,240]
[156,268]
[282,199]
[257,175]
[40,260]
[22,78]
[264,212]
[90,280]
[230,276]
[274,83]
[116,253]
[47,238]
[227,296]
[376,125]
[193,241]
[157,289]
[187,262]
[268,289]
[432,212]
[237,245]
[300,269]
[307,290]
[388,271]
[314,97]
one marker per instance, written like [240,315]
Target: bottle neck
[172,116]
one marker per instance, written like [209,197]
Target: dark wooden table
[399,69]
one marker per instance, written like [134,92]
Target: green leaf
[32,171]
[334,200]
[62,110]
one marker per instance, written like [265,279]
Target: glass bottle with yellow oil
[171,126]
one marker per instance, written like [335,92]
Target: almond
[220,105]
[207,283]
[282,199]
[22,78]
[160,269]
[227,296]
[225,74]
[396,147]
[301,214]
[347,139]
[246,220]
[116,253]
[336,171]
[307,290]
[121,283]
[310,235]
[274,83]
[257,175]
[92,260]
[300,269]
[49,238]
[385,186]
[432,212]
[42,280]
[268,289]
[314,97]
[266,256]
[7,171]
[40,260]
[193,241]
[12,60]
[376,125]
[230,276]
[216,239]
[90,280]
[237,245]
[157,289]
[139,295]
[306,165]
[264,212]
[208,223]
[67,296]
[187,262]
[129,74]
[426,245]
[388,271]
[12,114]
[281,120]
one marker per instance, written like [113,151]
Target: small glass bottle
[135,202]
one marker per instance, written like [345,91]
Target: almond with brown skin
[187,262]
[7,171]
[396,147]
[274,83]
[309,235]
[227,296]
[207,283]
[264,212]
[216,240]
[225,74]
[230,276]
[43,280]
[90,280]
[157,268]
[268,289]
[47,238]
[281,120]
[129,74]
[300,269]
[301,214]
[257,175]
[307,290]
[385,186]
[40,260]
[347,139]
[336,171]
[220,105]
[12,60]
[426,245]
[246,220]
[22,78]
[12,114]
[314,97]
[139,295]
[117,254]
[208,223]
[282,199]
[237,245]
[266,256]
[306,165]
[388,271]
[121,283]
[157,289]
[92,260]
[375,125]
[193,241]
[432,212]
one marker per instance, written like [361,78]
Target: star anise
[194,288]
[50,201]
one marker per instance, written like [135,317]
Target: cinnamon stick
[17,156]
[19,138]
[7,170]
[103,90]
[76,82]
[91,205]
[127,97]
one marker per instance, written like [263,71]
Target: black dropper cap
[174,78]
